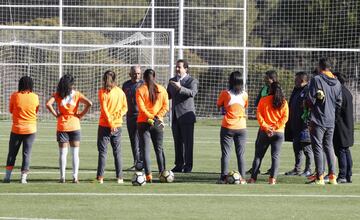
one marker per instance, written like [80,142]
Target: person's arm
[220,101]
[124,107]
[38,104]
[168,90]
[103,107]
[261,118]
[191,91]
[246,100]
[284,117]
[141,105]
[87,104]
[311,97]
[165,106]
[49,106]
[11,105]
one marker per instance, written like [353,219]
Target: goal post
[46,53]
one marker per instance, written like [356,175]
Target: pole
[181,29]
[60,38]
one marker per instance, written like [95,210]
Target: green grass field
[191,196]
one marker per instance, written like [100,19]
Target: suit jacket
[344,123]
[183,107]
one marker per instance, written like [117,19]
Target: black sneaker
[249,172]
[267,172]
[341,180]
[292,172]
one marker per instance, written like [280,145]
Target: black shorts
[68,136]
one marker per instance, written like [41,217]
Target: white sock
[75,161]
[62,161]
[24,176]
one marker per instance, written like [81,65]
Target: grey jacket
[183,107]
[323,111]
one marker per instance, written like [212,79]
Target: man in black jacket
[296,129]
[182,89]
[344,134]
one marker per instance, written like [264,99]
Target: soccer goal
[46,53]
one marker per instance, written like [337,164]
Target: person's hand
[270,132]
[176,85]
[114,130]
[79,116]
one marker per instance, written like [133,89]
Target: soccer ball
[166,176]
[233,177]
[138,179]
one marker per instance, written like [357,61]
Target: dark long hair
[279,97]
[272,74]
[26,84]
[236,82]
[109,80]
[65,85]
[149,78]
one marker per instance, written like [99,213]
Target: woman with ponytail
[113,107]
[272,114]
[152,101]
[233,101]
[68,122]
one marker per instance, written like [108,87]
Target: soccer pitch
[191,196]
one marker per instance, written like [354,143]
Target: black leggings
[14,145]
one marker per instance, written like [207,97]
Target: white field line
[182,195]
[87,172]
[17,218]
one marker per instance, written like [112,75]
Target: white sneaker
[23,181]
[120,181]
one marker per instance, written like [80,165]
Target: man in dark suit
[182,89]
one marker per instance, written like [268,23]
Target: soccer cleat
[243,181]
[317,181]
[306,173]
[100,179]
[341,180]
[61,180]
[220,181]
[267,172]
[23,181]
[312,177]
[251,181]
[249,172]
[326,178]
[75,180]
[332,179]
[292,172]
[120,180]
[272,181]
[149,178]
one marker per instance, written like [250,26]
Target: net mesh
[213,36]
[85,54]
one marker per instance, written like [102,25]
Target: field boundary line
[182,195]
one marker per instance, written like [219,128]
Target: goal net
[46,53]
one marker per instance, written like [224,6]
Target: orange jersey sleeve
[148,110]
[113,107]
[24,107]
